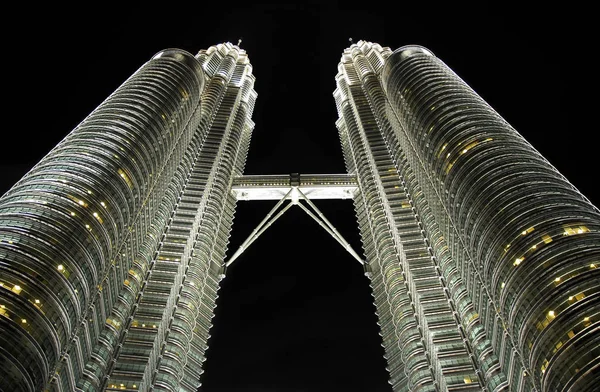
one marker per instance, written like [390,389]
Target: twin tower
[482,258]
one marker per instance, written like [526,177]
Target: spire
[239,41]
[350,39]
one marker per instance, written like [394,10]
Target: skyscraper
[112,244]
[481,256]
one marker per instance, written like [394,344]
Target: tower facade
[112,245]
[482,257]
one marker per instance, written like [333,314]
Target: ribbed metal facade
[112,246]
[482,257]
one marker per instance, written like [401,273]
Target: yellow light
[81,202]
[586,319]
[502,285]
[465,150]
[103,204]
[529,230]
[135,386]
[579,231]
[534,246]
[570,298]
[154,326]
[87,226]
[24,321]
[95,214]
[551,313]
[16,288]
[144,325]
[557,280]
[37,301]
[592,265]
[2,307]
[60,267]
[518,261]
[72,213]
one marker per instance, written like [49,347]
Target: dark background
[295,312]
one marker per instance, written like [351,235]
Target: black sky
[295,312]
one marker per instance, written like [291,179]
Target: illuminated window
[525,232]
[125,177]
[442,150]
[544,366]
[573,230]
[97,216]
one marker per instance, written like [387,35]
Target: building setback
[482,258]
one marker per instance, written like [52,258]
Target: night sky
[295,312]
